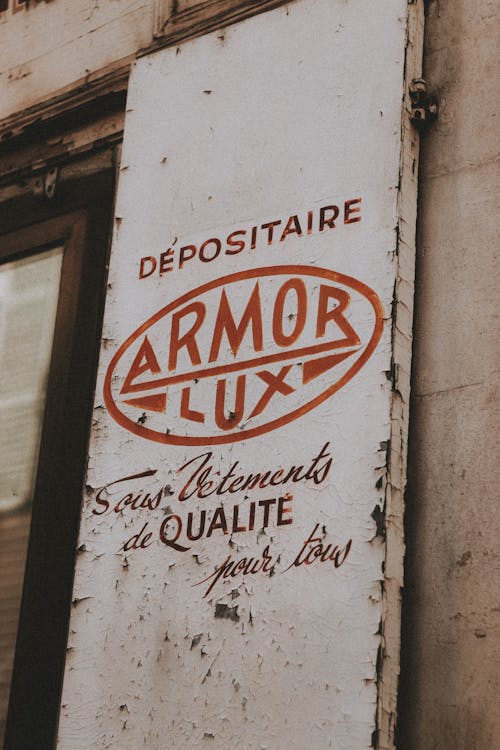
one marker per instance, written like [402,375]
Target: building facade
[67,97]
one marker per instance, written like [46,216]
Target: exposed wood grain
[177,21]
[402,330]
[14,531]
[83,119]
[51,46]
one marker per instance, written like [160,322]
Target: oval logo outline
[239,435]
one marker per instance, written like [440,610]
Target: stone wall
[451,651]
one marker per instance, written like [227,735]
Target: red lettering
[144,361]
[236,528]
[143,273]
[275,384]
[270,230]
[218,522]
[188,413]
[266,504]
[298,286]
[138,541]
[336,314]
[188,340]
[330,221]
[292,227]
[101,501]
[225,323]
[189,528]
[282,510]
[239,245]
[352,207]
[166,260]
[245,566]
[217,243]
[163,533]
[186,253]
[235,416]
[313,550]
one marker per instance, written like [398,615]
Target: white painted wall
[232,130]
[51,46]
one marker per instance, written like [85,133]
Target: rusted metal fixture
[50,182]
[423,104]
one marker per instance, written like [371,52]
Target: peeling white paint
[299,109]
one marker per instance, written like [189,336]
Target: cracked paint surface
[230,593]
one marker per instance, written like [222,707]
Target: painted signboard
[230,576]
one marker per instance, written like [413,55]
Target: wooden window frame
[17,5]
[79,218]
[176,22]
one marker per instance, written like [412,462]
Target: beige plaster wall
[52,46]
[450,683]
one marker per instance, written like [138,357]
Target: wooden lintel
[106,88]
[178,25]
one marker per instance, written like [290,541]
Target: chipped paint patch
[249,571]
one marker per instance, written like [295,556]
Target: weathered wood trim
[28,167]
[31,182]
[71,104]
[402,330]
[104,91]
[80,219]
[173,25]
[77,123]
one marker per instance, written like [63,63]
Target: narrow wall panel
[229,588]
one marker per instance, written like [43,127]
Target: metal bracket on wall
[46,183]
[50,182]
[424,106]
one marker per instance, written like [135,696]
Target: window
[52,272]
[29,289]
[28,301]
[15,5]
[18,5]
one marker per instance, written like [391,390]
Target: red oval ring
[169,439]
